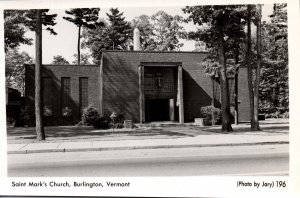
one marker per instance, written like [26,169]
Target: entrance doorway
[160,92]
[157,110]
[160,110]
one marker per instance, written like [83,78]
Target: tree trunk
[257,79]
[213,101]
[78,46]
[236,81]
[225,102]
[213,92]
[40,135]
[248,54]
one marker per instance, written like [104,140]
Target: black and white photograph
[173,91]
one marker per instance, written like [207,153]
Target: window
[65,94]
[83,93]
[47,96]
[160,82]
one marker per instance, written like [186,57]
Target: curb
[142,147]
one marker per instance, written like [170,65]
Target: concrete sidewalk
[254,138]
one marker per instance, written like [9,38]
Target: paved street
[230,160]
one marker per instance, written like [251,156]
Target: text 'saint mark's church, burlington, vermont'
[144,86]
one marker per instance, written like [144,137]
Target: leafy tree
[200,46]
[84,59]
[119,29]
[59,60]
[33,20]
[14,30]
[167,31]
[253,62]
[224,24]
[96,40]
[160,32]
[143,24]
[14,68]
[274,88]
[47,20]
[18,21]
[83,17]
[114,35]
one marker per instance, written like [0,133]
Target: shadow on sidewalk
[269,130]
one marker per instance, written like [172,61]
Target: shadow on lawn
[164,132]
[77,132]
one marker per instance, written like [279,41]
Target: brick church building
[144,86]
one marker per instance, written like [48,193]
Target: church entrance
[157,110]
[160,91]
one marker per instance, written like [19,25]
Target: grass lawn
[83,133]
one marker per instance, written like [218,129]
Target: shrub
[10,121]
[119,125]
[207,113]
[102,123]
[273,115]
[286,115]
[90,115]
[275,112]
[117,122]
[80,123]
[119,118]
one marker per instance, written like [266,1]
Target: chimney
[136,40]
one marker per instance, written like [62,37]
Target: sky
[65,42]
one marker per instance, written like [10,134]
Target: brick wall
[120,85]
[120,81]
[243,96]
[56,72]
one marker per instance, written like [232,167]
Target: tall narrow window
[83,93]
[65,94]
[47,96]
